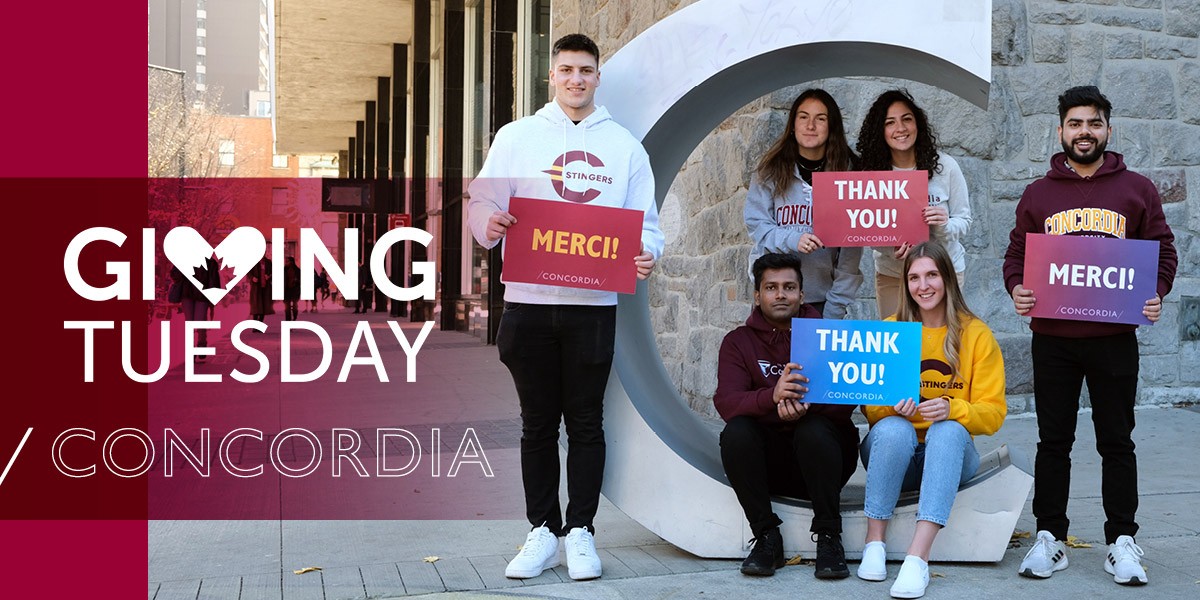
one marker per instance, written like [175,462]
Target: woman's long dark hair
[778,166]
[872,147]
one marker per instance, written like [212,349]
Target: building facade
[224,47]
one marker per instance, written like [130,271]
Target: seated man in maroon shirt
[774,442]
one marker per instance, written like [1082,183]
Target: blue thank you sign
[858,362]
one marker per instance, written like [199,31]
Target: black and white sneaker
[1045,557]
[1124,562]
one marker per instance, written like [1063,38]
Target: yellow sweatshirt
[976,395]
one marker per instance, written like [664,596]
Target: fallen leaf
[939,575]
[1074,542]
[306,570]
[796,560]
[1020,535]
[431,559]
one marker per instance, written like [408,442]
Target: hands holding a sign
[933,215]
[1084,278]
[1153,308]
[788,393]
[936,215]
[809,243]
[932,410]
[1023,299]
[644,262]
[498,225]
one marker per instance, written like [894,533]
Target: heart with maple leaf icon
[233,257]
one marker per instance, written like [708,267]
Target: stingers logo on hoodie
[559,174]
[937,380]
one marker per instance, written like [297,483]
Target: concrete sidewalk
[385,559]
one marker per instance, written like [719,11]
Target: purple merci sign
[1090,278]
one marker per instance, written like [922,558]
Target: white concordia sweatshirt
[548,157]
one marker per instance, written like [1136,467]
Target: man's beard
[1090,156]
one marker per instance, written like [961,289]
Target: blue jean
[896,462]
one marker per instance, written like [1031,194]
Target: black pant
[1110,365]
[365,295]
[812,462]
[560,357]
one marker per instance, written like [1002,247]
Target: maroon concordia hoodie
[1119,204]
[751,361]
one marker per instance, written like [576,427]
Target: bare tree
[184,159]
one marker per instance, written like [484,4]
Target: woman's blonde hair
[957,312]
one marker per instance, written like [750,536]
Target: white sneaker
[539,553]
[874,562]
[1124,562]
[582,561]
[1045,557]
[913,578]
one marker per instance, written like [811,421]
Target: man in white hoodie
[557,341]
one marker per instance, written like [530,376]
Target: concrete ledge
[981,522]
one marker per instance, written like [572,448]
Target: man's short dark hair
[776,261]
[575,42]
[1083,95]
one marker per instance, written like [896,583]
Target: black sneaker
[766,555]
[831,557]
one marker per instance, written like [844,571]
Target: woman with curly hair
[929,446]
[896,135]
[778,210]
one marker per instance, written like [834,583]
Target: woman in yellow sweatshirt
[929,445]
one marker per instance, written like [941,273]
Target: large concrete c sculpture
[672,85]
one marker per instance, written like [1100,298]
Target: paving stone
[491,570]
[262,587]
[674,559]
[220,588]
[343,583]
[308,586]
[178,590]
[420,577]
[382,581]
[639,562]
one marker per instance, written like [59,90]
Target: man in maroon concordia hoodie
[774,442]
[1086,192]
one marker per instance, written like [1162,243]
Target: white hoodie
[601,164]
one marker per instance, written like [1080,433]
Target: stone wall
[1141,53]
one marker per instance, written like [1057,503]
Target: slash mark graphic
[14,456]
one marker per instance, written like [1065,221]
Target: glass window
[225,153]
[539,49]
[280,200]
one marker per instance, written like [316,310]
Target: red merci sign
[870,208]
[572,245]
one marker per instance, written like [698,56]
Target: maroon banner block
[573,245]
[870,208]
